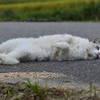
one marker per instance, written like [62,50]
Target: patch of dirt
[18,90]
[29,75]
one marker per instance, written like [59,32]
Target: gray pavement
[82,71]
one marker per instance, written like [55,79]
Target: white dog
[51,47]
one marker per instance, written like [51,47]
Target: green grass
[26,1]
[90,88]
[95,91]
[47,5]
[22,1]
[42,94]
[8,91]
[50,10]
[65,94]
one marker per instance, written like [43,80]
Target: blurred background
[49,10]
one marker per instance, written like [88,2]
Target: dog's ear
[95,40]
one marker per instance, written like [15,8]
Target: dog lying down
[51,47]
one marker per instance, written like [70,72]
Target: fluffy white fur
[51,47]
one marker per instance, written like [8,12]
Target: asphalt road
[79,71]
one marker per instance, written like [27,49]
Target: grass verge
[64,10]
[30,91]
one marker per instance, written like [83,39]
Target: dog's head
[93,50]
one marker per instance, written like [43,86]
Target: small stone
[6,76]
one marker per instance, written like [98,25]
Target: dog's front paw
[62,45]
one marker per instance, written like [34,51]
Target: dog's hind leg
[14,56]
[8,59]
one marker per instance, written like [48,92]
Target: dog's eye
[97,47]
